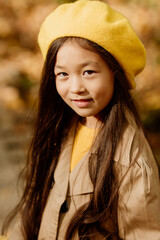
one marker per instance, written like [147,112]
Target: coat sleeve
[139,196]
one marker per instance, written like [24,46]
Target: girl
[90,171]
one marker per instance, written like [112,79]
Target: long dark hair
[54,119]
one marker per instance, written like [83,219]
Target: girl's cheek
[61,90]
[58,88]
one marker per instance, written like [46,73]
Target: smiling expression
[83,79]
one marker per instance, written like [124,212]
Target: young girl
[90,171]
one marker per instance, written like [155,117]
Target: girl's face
[83,80]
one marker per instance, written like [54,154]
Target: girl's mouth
[82,103]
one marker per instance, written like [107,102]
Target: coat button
[64,207]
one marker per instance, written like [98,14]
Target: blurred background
[20,70]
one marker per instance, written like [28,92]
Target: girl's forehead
[75,49]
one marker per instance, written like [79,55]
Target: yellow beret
[99,23]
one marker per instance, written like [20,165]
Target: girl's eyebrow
[89,63]
[80,65]
[58,66]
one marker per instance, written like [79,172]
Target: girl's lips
[82,103]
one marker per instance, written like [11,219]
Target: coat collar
[78,181]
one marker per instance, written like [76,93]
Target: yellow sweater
[82,143]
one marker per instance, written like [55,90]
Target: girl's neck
[90,122]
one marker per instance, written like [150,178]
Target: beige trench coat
[139,194]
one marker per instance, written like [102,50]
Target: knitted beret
[99,23]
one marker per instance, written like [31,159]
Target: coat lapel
[61,174]
[79,180]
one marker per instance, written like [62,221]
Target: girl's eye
[89,72]
[62,74]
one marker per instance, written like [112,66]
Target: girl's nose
[77,85]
